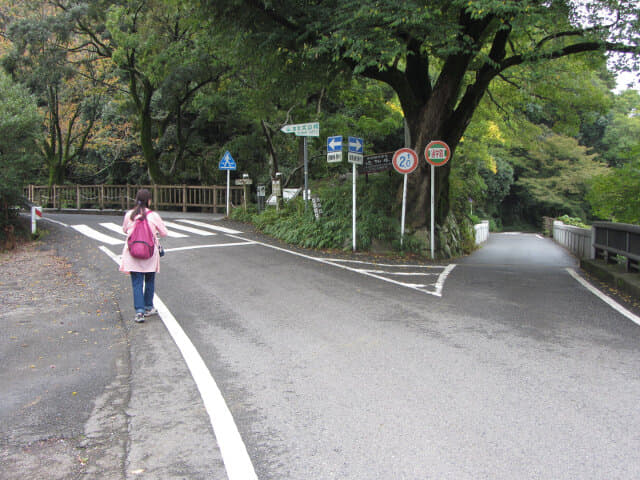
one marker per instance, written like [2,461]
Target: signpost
[36,212]
[304,130]
[376,163]
[356,150]
[437,153]
[404,161]
[227,163]
[334,149]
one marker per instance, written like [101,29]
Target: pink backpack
[141,242]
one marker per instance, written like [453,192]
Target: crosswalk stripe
[118,229]
[101,237]
[113,227]
[212,227]
[189,229]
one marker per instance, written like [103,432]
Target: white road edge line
[439,284]
[217,245]
[609,301]
[54,221]
[234,452]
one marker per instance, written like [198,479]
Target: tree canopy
[156,90]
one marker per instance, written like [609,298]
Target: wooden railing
[165,197]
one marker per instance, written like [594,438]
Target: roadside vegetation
[106,93]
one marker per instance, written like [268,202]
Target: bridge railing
[482,231]
[165,197]
[604,240]
[612,240]
[575,239]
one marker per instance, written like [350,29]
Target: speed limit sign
[405,160]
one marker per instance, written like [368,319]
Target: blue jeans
[143,284]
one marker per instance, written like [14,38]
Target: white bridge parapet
[575,239]
[482,232]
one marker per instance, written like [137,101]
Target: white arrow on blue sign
[334,144]
[227,162]
[356,145]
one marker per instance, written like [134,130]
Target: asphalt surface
[500,366]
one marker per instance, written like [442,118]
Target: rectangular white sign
[303,129]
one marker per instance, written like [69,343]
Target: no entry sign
[437,153]
[405,160]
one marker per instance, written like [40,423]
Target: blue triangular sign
[227,162]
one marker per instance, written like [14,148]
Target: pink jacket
[132,264]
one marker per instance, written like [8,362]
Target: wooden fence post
[184,198]
[77,197]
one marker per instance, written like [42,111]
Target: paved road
[500,366]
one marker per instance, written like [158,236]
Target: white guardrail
[575,239]
[482,232]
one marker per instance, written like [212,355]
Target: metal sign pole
[404,208]
[355,172]
[306,173]
[433,183]
[228,189]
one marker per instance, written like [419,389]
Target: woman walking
[143,270]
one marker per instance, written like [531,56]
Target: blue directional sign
[227,162]
[334,144]
[356,145]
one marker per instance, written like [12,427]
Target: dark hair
[143,197]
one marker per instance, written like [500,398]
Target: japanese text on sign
[437,153]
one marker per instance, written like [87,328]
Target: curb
[615,275]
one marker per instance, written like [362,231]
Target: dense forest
[155,91]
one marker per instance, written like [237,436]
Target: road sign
[244,181]
[334,144]
[356,147]
[376,163]
[303,129]
[334,149]
[405,160]
[227,162]
[437,153]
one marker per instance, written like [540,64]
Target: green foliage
[615,195]
[19,122]
[552,177]
[376,218]
[573,221]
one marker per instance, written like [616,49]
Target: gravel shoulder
[64,351]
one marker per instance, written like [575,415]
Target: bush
[573,221]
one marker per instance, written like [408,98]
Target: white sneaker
[139,317]
[152,311]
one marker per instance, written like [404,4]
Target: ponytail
[142,202]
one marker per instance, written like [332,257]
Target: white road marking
[234,452]
[101,237]
[207,225]
[53,221]
[197,231]
[399,274]
[118,229]
[539,236]
[420,288]
[606,299]
[114,227]
[217,245]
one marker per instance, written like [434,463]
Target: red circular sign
[437,153]
[405,160]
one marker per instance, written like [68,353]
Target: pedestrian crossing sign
[227,162]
